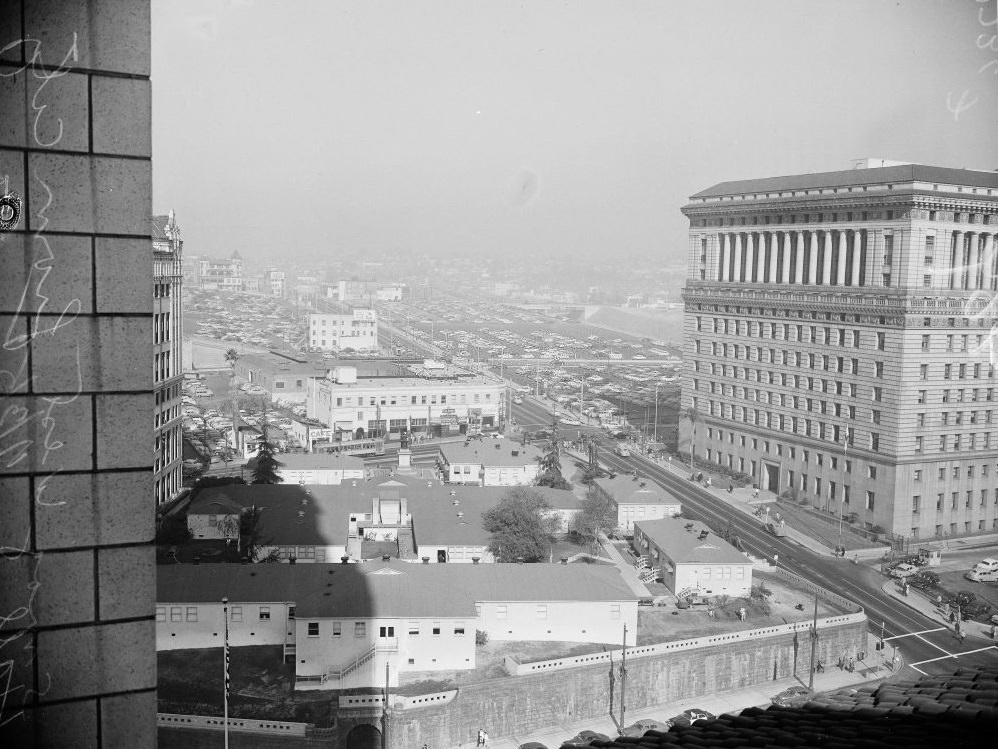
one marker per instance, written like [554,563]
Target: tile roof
[685,547]
[857,177]
[394,588]
[932,712]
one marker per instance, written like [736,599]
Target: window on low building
[313,629]
[360,629]
[264,613]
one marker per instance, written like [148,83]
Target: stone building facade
[840,342]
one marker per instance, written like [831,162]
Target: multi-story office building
[168,370]
[274,282]
[356,329]
[430,399]
[840,342]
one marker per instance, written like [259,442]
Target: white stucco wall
[246,627]
[569,621]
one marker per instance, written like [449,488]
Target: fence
[823,593]
[403,701]
[245,725]
[518,669]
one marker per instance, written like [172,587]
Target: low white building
[636,499]
[316,468]
[342,624]
[691,559]
[497,462]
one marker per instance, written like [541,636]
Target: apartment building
[356,329]
[223,274]
[168,370]
[839,334]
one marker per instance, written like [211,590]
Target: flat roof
[685,547]
[626,490]
[388,589]
[318,461]
[855,177]
[490,452]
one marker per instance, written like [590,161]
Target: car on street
[585,738]
[987,565]
[795,696]
[533,745]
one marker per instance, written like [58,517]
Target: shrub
[481,637]
[760,592]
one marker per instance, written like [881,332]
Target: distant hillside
[659,325]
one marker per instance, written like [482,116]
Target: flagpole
[225,666]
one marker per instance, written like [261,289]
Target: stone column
[785,265]
[956,254]
[826,270]
[840,278]
[749,256]
[988,261]
[857,251]
[726,257]
[812,273]
[774,254]
[760,260]
[799,269]
[737,276]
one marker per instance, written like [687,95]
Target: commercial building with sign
[430,398]
[840,342]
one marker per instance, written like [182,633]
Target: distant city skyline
[544,129]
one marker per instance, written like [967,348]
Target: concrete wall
[528,703]
[76,451]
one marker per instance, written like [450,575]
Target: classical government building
[839,337]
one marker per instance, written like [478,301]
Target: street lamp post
[656,412]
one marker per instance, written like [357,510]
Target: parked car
[533,745]
[987,565]
[691,716]
[795,696]
[904,570]
[982,576]
[585,738]
[640,727]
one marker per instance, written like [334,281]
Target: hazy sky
[531,128]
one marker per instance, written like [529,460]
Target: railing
[519,669]
[245,725]
[405,702]
[357,663]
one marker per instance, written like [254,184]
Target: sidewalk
[915,600]
[627,570]
[743,500]
[875,668]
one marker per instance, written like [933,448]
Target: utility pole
[384,714]
[623,676]
[814,646]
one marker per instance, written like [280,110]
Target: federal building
[840,342]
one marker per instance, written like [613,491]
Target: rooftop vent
[452,492]
[386,557]
[460,514]
[426,560]
[515,453]
[498,446]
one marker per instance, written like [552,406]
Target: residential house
[489,463]
[636,499]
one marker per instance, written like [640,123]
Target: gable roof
[388,589]
[685,547]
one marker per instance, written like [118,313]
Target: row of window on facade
[836,216]
[394,400]
[955,497]
[980,315]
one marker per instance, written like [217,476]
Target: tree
[520,526]
[232,356]
[550,474]
[249,529]
[265,471]
[597,517]
[693,416]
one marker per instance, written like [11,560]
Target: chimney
[519,560]
[474,560]
[291,560]
[344,560]
[564,560]
[426,560]
[386,557]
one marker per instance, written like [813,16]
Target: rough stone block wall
[526,703]
[77,583]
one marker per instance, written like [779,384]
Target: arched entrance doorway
[364,736]
[359,434]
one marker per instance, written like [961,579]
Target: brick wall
[527,703]
[77,583]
